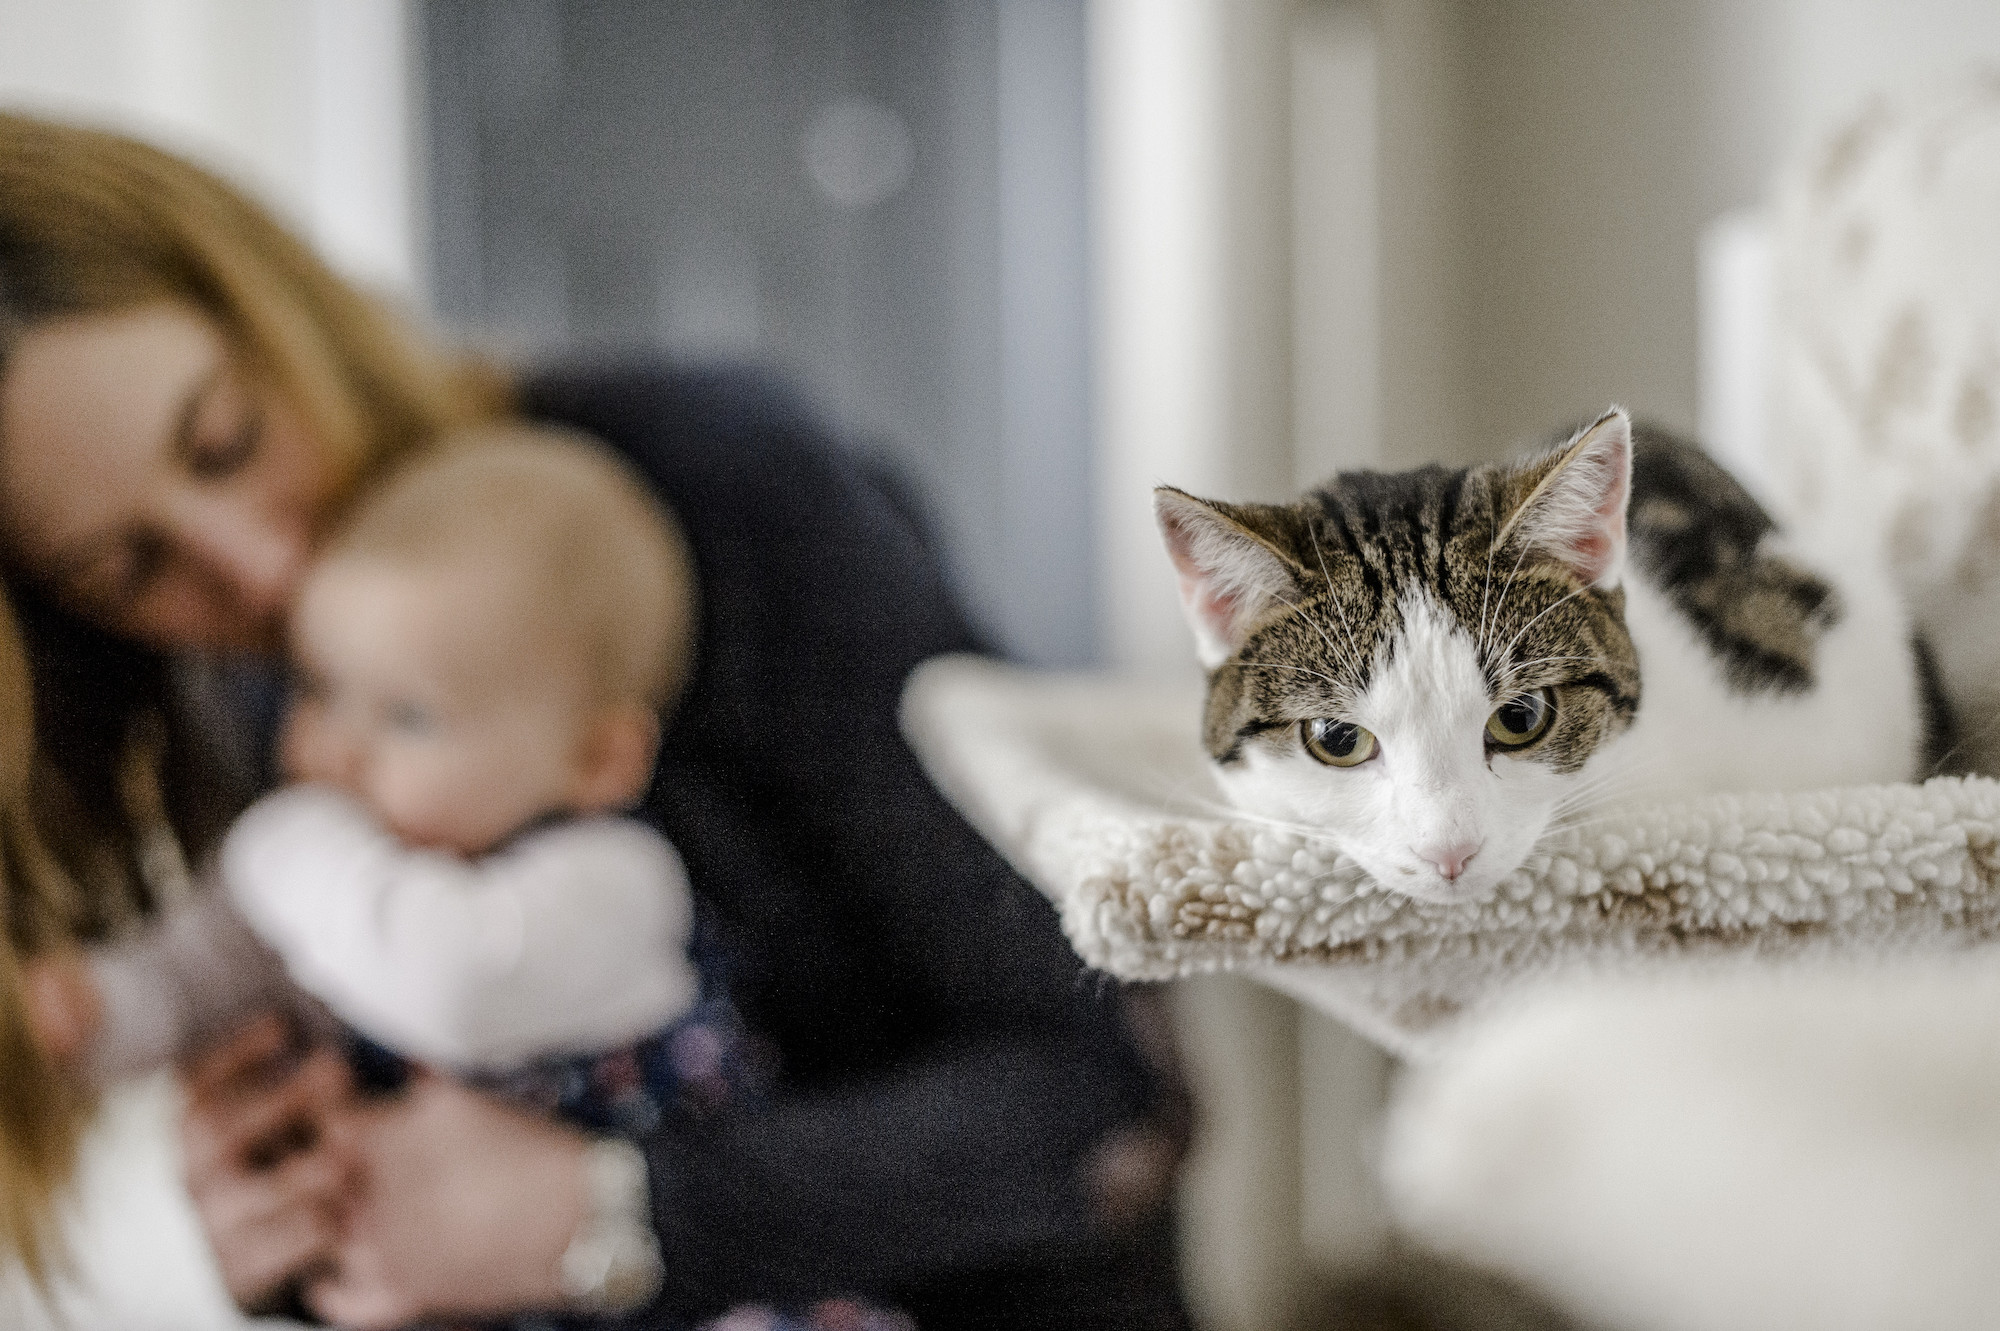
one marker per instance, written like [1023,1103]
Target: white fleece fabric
[572,938]
[1096,790]
[1813,1146]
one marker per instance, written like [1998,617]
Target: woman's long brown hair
[96,223]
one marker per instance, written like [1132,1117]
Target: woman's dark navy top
[945,1062]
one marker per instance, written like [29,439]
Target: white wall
[1336,242]
[304,102]
[1423,56]
[1539,176]
[1597,140]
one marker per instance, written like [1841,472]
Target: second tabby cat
[1433,668]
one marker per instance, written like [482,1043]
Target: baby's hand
[65,1011]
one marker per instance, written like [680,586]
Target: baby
[481,655]
[482,652]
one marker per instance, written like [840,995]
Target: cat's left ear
[1577,494]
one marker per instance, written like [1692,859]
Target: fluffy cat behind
[1435,667]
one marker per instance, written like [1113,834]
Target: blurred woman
[965,1126]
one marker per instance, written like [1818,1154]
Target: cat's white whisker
[1346,629]
[1485,631]
[1547,660]
[1299,669]
[1325,637]
[1969,737]
[1624,795]
[1560,601]
[1304,831]
[1518,668]
[1617,788]
[1486,587]
[1350,659]
[1599,818]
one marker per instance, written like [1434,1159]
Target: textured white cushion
[1095,789]
[1812,1147]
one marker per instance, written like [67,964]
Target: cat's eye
[1337,743]
[1521,721]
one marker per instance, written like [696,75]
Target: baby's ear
[617,758]
[1229,572]
[1574,507]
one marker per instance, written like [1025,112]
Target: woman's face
[153,483]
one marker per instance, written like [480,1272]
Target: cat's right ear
[1229,574]
[1575,506]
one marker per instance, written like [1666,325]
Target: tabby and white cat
[1435,667]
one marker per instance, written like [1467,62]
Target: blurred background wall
[1039,255]
[304,102]
[884,199]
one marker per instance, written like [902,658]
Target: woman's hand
[267,1179]
[465,1208]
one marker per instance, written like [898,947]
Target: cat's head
[1421,663]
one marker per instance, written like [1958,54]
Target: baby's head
[489,638]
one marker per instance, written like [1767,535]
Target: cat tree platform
[1095,788]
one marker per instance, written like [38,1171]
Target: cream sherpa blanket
[1096,790]
[1810,1147]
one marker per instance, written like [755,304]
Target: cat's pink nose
[1449,861]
